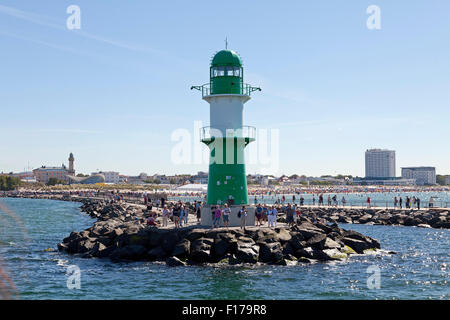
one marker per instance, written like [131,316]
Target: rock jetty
[428,218]
[120,234]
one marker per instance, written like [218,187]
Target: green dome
[226,58]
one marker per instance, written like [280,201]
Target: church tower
[71,160]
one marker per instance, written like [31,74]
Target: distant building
[380,163]
[110,176]
[384,181]
[123,178]
[92,179]
[43,174]
[71,170]
[447,180]
[200,178]
[140,179]
[423,175]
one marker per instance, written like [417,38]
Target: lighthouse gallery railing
[206,89]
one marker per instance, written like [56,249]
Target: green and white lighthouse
[227,136]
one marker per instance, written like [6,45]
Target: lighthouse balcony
[245,90]
[209,134]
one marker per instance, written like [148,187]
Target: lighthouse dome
[226,58]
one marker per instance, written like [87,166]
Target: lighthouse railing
[205,89]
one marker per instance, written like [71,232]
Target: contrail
[45,21]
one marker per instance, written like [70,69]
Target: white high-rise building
[423,175]
[380,163]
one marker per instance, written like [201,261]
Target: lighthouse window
[230,71]
[218,72]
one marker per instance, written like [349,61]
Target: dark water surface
[420,270]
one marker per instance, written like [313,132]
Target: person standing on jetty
[368,202]
[400,202]
[186,215]
[298,212]
[198,211]
[176,215]
[343,201]
[418,203]
[213,214]
[265,213]
[273,217]
[259,214]
[165,216]
[217,215]
[290,215]
[226,216]
[181,215]
[395,202]
[242,214]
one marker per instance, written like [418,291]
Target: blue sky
[113,92]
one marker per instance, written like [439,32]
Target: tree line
[8,183]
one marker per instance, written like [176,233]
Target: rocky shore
[429,218]
[120,234]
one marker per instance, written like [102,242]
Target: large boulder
[169,241]
[195,234]
[248,253]
[308,230]
[201,250]
[155,236]
[304,253]
[182,249]
[270,252]
[283,235]
[297,241]
[317,241]
[223,245]
[331,244]
[357,245]
[130,252]
[157,253]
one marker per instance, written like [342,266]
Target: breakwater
[121,234]
[426,218]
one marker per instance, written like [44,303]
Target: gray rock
[157,253]
[317,241]
[357,245]
[247,254]
[182,249]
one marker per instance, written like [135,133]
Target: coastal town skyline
[114,93]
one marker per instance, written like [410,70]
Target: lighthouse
[227,136]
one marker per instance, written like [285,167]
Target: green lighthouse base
[234,220]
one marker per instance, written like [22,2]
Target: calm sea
[420,270]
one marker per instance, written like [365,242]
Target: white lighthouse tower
[227,136]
